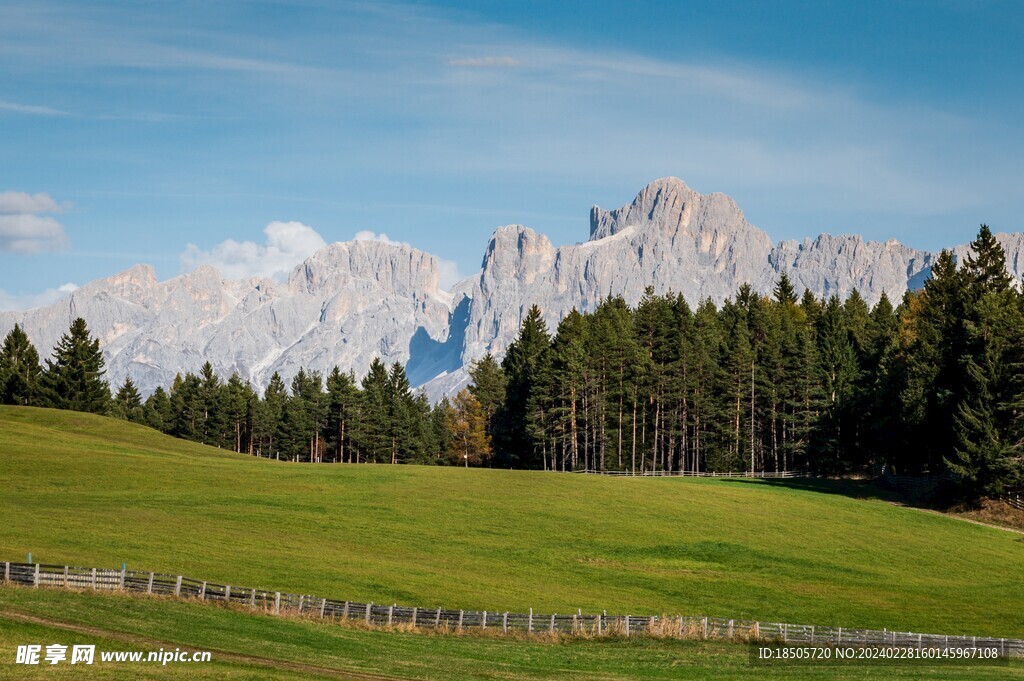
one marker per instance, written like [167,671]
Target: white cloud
[448,273]
[367,235]
[27,301]
[13,203]
[287,244]
[23,228]
[483,62]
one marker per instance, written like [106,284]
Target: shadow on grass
[855,489]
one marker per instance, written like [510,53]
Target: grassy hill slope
[86,490]
[249,646]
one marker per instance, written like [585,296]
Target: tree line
[760,383]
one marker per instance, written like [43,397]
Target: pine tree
[74,377]
[838,372]
[157,411]
[784,292]
[985,266]
[275,397]
[342,412]
[19,369]
[214,416]
[374,436]
[442,419]
[488,387]
[127,403]
[187,408]
[517,432]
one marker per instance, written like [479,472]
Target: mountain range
[351,302]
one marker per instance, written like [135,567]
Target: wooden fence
[699,474]
[570,624]
[1015,499]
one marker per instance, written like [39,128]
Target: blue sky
[174,133]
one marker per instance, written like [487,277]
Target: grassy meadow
[244,645]
[91,491]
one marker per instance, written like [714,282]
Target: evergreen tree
[525,360]
[187,408]
[342,412]
[127,403]
[488,387]
[74,377]
[214,418]
[784,292]
[374,436]
[157,411]
[19,369]
[271,415]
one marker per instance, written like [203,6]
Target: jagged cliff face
[351,302]
[344,306]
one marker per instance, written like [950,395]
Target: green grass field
[84,490]
[247,646]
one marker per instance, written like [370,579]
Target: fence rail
[1015,499]
[572,624]
[698,474]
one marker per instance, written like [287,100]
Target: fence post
[300,604]
[369,607]
[415,611]
[65,576]
[598,624]
[149,586]
[529,626]
[323,608]
[124,573]
[552,624]
[94,579]
[252,598]
[344,612]
[202,592]
[437,619]
[730,628]
[812,634]
[177,587]
[7,570]
[277,602]
[484,623]
[460,619]
[574,624]
[785,633]
[627,626]
[839,641]
[757,631]
[227,594]
[504,623]
[391,614]
[704,627]
[35,579]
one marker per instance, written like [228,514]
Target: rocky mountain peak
[667,203]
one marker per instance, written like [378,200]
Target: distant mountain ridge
[351,302]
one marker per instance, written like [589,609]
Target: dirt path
[309,670]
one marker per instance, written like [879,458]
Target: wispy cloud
[30,109]
[483,62]
[28,301]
